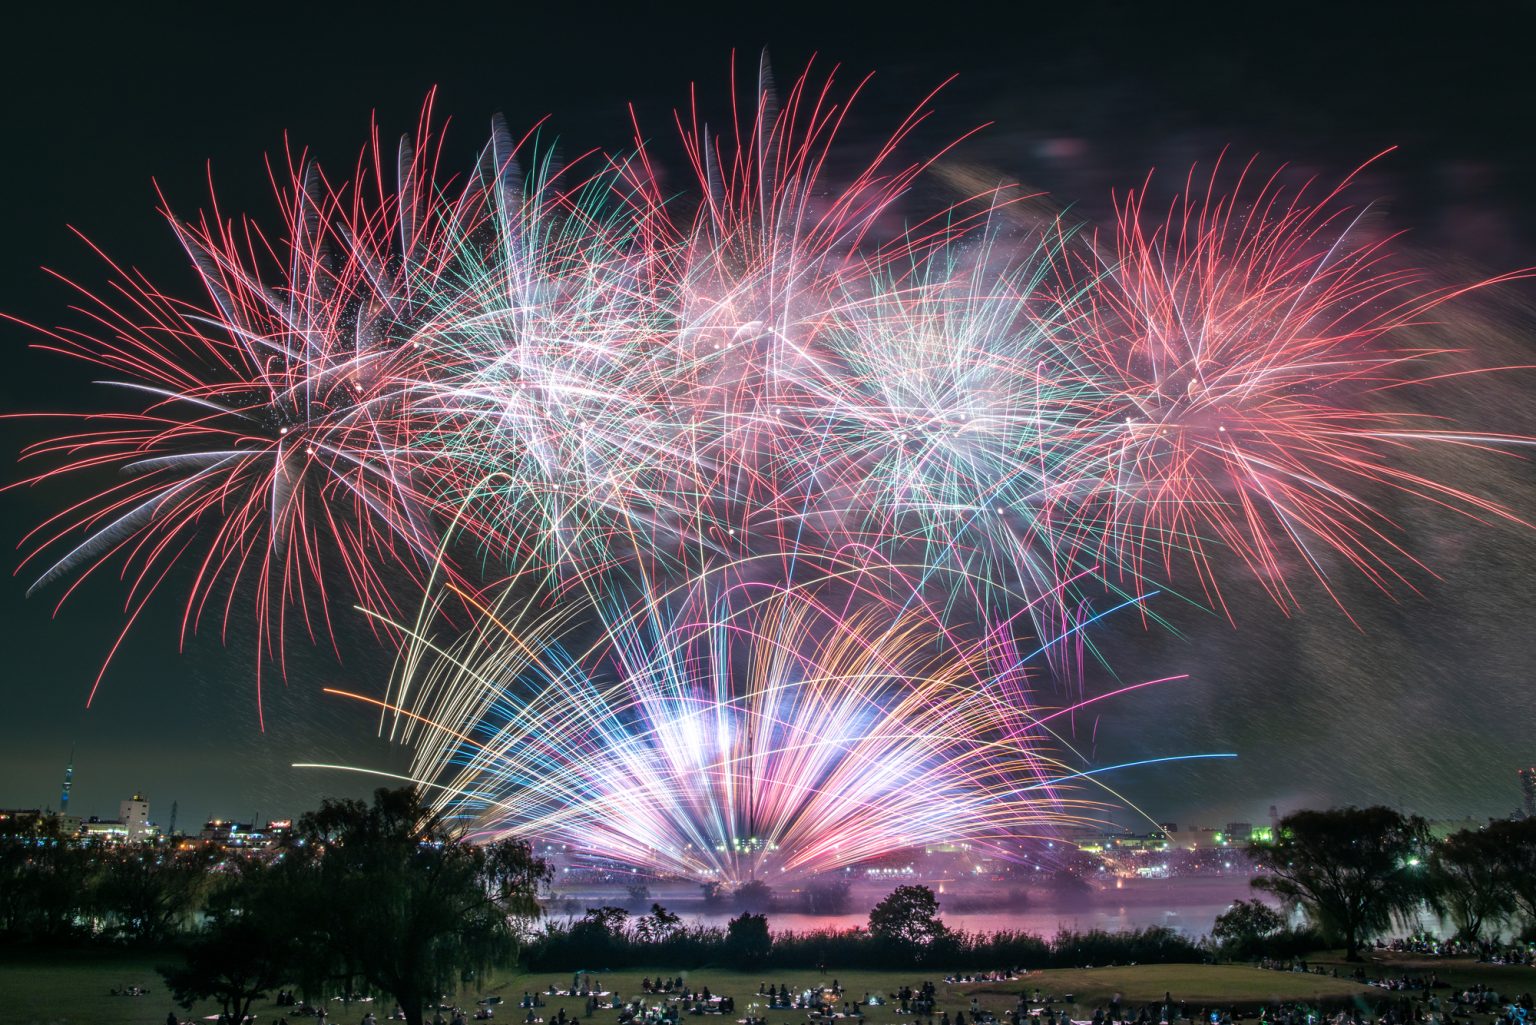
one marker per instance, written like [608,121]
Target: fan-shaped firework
[733,731]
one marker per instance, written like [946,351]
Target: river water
[1189,906]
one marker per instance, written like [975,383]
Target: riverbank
[1186,905]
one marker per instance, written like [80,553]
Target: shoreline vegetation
[388,900]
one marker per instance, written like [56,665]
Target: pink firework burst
[1247,343]
[255,450]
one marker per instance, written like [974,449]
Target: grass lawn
[72,989]
[1196,985]
[1460,972]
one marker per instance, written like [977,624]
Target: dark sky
[1429,706]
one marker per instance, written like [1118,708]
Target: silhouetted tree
[234,962]
[1512,843]
[396,897]
[598,933]
[1242,928]
[149,893]
[908,917]
[608,920]
[1466,882]
[658,926]
[45,884]
[747,940]
[1354,870]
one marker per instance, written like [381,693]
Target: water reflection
[1189,906]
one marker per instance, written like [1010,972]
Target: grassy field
[74,989]
[1459,972]
[1196,985]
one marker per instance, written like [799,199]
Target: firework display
[1251,343]
[821,471]
[732,732]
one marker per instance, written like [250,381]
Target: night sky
[1428,704]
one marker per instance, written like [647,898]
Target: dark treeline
[383,899]
[56,891]
[1357,872]
[390,899]
[610,938]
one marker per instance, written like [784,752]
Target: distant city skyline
[191,819]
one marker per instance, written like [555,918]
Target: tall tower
[172,830]
[69,781]
[1528,791]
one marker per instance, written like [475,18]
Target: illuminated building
[134,815]
[132,824]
